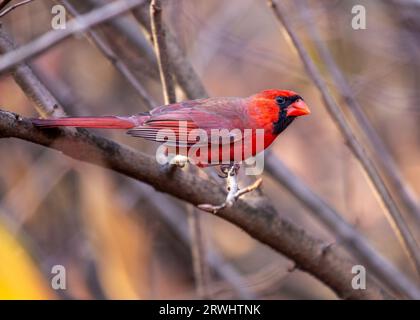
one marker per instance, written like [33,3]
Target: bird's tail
[105,122]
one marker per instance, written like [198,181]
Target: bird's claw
[234,193]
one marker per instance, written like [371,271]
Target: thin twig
[51,38]
[392,212]
[184,72]
[6,11]
[159,41]
[400,187]
[107,51]
[198,252]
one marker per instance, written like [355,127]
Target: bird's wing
[175,123]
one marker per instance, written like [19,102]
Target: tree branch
[159,41]
[45,103]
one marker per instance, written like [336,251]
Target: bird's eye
[280,100]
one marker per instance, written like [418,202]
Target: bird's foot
[173,163]
[179,161]
[234,193]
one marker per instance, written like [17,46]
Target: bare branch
[198,252]
[45,103]
[54,37]
[393,214]
[159,41]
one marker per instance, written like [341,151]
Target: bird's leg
[233,189]
[224,169]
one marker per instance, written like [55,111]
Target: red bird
[270,110]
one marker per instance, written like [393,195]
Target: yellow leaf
[19,276]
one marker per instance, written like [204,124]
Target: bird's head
[283,105]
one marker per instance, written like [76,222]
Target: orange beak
[298,108]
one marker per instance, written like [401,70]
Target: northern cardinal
[272,111]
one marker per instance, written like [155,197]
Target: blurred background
[118,238]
